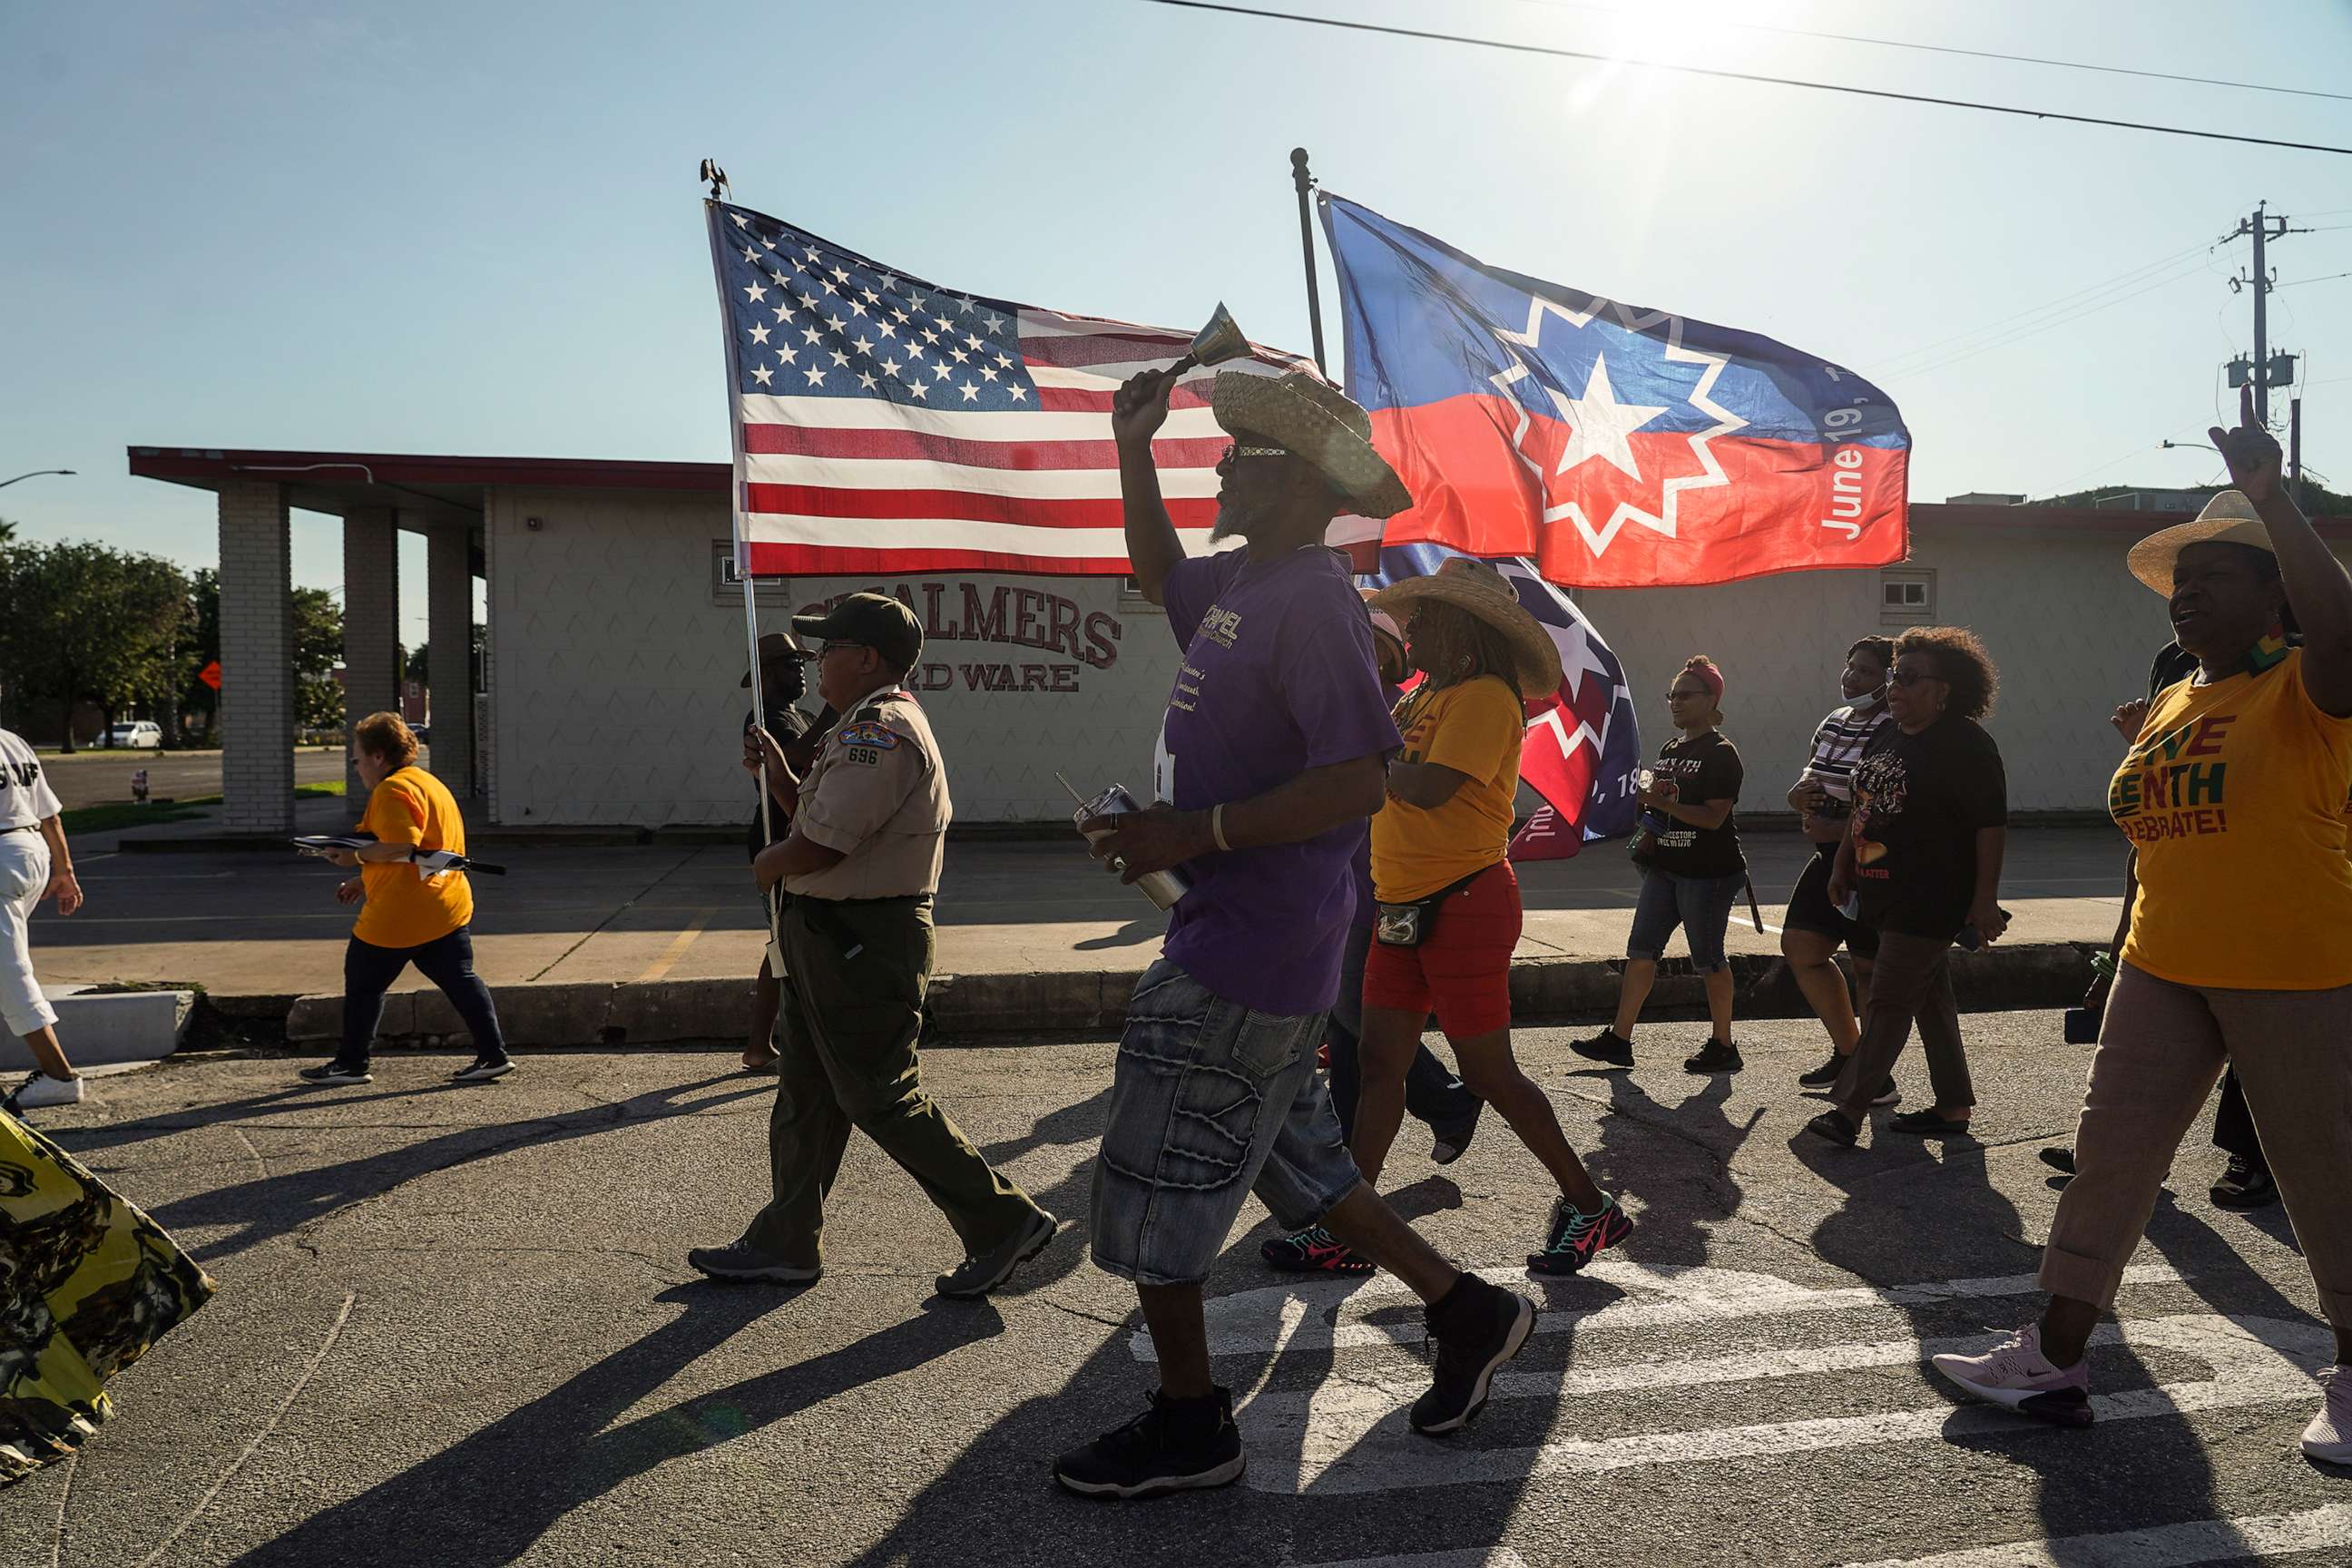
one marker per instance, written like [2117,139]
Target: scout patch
[880,737]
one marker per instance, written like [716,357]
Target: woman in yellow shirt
[406,918]
[2234,796]
[1449,909]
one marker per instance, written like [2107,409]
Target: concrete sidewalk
[654,942]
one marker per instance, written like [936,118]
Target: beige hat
[2228,519]
[1474,586]
[773,645]
[1319,422]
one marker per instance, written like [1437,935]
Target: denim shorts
[1210,1102]
[1700,905]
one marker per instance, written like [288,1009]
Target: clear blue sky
[473,229]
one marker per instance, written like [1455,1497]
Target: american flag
[1583,742]
[886,423]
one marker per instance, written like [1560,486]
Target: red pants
[1462,970]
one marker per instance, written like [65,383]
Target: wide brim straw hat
[1319,422]
[1384,625]
[2228,519]
[1478,588]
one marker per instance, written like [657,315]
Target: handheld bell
[1218,342]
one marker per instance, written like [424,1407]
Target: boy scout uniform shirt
[25,798]
[877,794]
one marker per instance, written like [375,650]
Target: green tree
[318,648]
[80,621]
[420,658]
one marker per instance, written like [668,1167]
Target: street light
[2168,445]
[36,474]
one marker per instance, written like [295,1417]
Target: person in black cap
[795,736]
[862,862]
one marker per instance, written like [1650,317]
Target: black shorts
[1810,908]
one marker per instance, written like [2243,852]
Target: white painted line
[2168,1546]
[1265,1320]
[1496,1557]
[1345,1438]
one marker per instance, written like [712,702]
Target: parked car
[424,733]
[143,735]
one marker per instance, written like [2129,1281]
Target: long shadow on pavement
[490,1499]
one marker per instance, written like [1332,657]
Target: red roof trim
[211,466]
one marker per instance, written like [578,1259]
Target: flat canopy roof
[336,481]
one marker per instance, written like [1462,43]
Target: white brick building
[616,642]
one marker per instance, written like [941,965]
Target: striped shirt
[1837,747]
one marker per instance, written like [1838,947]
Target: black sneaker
[1716,1056]
[1175,1446]
[483,1069]
[2245,1185]
[1887,1094]
[1825,1075]
[1313,1251]
[1475,1329]
[1836,1127]
[981,1272]
[1449,1141]
[1608,1046]
[337,1072]
[1574,1239]
[2059,1159]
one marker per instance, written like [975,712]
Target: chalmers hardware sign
[971,630]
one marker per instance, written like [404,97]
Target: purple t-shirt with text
[1279,676]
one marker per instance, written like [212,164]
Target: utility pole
[2259,225]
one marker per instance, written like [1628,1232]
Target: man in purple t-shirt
[1273,753]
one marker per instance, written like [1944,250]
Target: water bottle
[1162,888]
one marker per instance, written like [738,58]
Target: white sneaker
[2016,1373]
[40,1089]
[2328,1438]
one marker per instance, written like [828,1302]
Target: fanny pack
[1408,924]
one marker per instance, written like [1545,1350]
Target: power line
[1428,37]
[2010,321]
[2033,328]
[2299,282]
[1976,54]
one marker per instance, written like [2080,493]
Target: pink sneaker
[2328,1438]
[2016,1373]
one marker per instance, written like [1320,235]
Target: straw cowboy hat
[1474,586]
[1319,422]
[2228,519]
[1384,625]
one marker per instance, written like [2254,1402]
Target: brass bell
[1218,342]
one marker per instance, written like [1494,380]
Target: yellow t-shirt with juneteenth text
[2234,797]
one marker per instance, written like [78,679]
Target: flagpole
[1305,182]
[743,570]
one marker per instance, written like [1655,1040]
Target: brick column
[450,592]
[257,626]
[370,628]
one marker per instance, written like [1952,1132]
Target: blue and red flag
[1615,446]
[1583,744]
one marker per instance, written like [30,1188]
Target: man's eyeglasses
[811,654]
[1909,678]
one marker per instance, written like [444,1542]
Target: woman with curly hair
[1919,868]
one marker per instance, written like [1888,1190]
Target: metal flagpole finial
[717,177]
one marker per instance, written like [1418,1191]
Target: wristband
[1217,827]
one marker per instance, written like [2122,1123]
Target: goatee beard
[1230,524]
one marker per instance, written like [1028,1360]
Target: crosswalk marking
[1327,1315]
[1492,1557]
[2166,1546]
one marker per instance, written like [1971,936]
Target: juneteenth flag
[886,423]
[1616,447]
[1584,743]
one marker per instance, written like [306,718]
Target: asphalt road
[102,777]
[456,1327]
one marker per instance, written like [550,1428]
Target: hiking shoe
[1312,1251]
[737,1263]
[2245,1185]
[1835,1126]
[2059,1159]
[483,1069]
[39,1090]
[1476,1329]
[2328,1438]
[1450,1142]
[1825,1075]
[1887,1094]
[1576,1238]
[977,1274]
[1716,1056]
[1178,1444]
[1608,1046]
[2016,1373]
[337,1072]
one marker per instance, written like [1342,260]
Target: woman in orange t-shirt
[1449,902]
[406,918]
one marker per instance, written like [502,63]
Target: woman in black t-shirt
[1691,870]
[1922,860]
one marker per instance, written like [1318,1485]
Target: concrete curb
[1001,1008]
